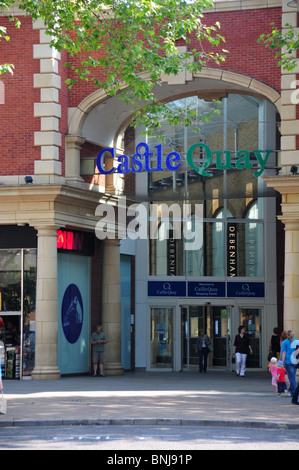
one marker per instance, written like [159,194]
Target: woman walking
[241,350]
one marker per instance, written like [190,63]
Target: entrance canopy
[101,119]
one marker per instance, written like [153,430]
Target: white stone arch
[101,119]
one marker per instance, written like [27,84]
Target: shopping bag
[3,405]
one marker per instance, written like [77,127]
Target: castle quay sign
[144,160]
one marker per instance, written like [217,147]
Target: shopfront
[75,250]
[17,300]
[18,284]
[174,330]
[212,233]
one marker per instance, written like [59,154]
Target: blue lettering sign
[144,160]
[246,289]
[206,289]
[166,289]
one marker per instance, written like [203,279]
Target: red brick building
[53,296]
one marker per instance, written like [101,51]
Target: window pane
[29,311]
[10,280]
[161,338]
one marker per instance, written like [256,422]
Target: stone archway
[210,81]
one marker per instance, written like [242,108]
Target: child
[281,379]
[273,370]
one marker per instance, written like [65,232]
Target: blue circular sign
[72,313]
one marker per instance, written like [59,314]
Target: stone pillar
[291,277]
[48,109]
[289,129]
[111,307]
[46,339]
[73,145]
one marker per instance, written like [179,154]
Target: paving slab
[157,398]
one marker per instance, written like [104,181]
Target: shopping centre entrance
[216,322]
[174,332]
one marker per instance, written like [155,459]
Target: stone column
[73,145]
[46,339]
[291,277]
[111,307]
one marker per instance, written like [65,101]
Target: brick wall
[17,124]
[241,31]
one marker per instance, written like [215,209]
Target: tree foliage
[285,42]
[126,46]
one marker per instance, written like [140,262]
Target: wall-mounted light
[294,170]
[28,179]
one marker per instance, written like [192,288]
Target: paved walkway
[172,398]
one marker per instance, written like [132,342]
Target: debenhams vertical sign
[232,253]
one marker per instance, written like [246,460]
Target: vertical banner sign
[232,250]
[171,255]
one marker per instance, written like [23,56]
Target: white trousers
[241,364]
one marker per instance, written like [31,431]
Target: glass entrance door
[219,321]
[251,319]
[215,321]
[161,340]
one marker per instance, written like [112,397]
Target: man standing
[98,341]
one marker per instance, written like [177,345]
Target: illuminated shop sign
[79,242]
[144,160]
[69,240]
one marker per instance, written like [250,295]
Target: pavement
[217,398]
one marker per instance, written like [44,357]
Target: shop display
[9,348]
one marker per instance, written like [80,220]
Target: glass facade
[161,341]
[211,222]
[208,219]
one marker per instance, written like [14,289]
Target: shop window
[17,312]
[254,252]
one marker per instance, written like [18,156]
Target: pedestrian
[295,397]
[286,353]
[273,372]
[281,379]
[241,349]
[274,344]
[98,341]
[283,336]
[203,347]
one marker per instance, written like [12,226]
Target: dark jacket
[200,340]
